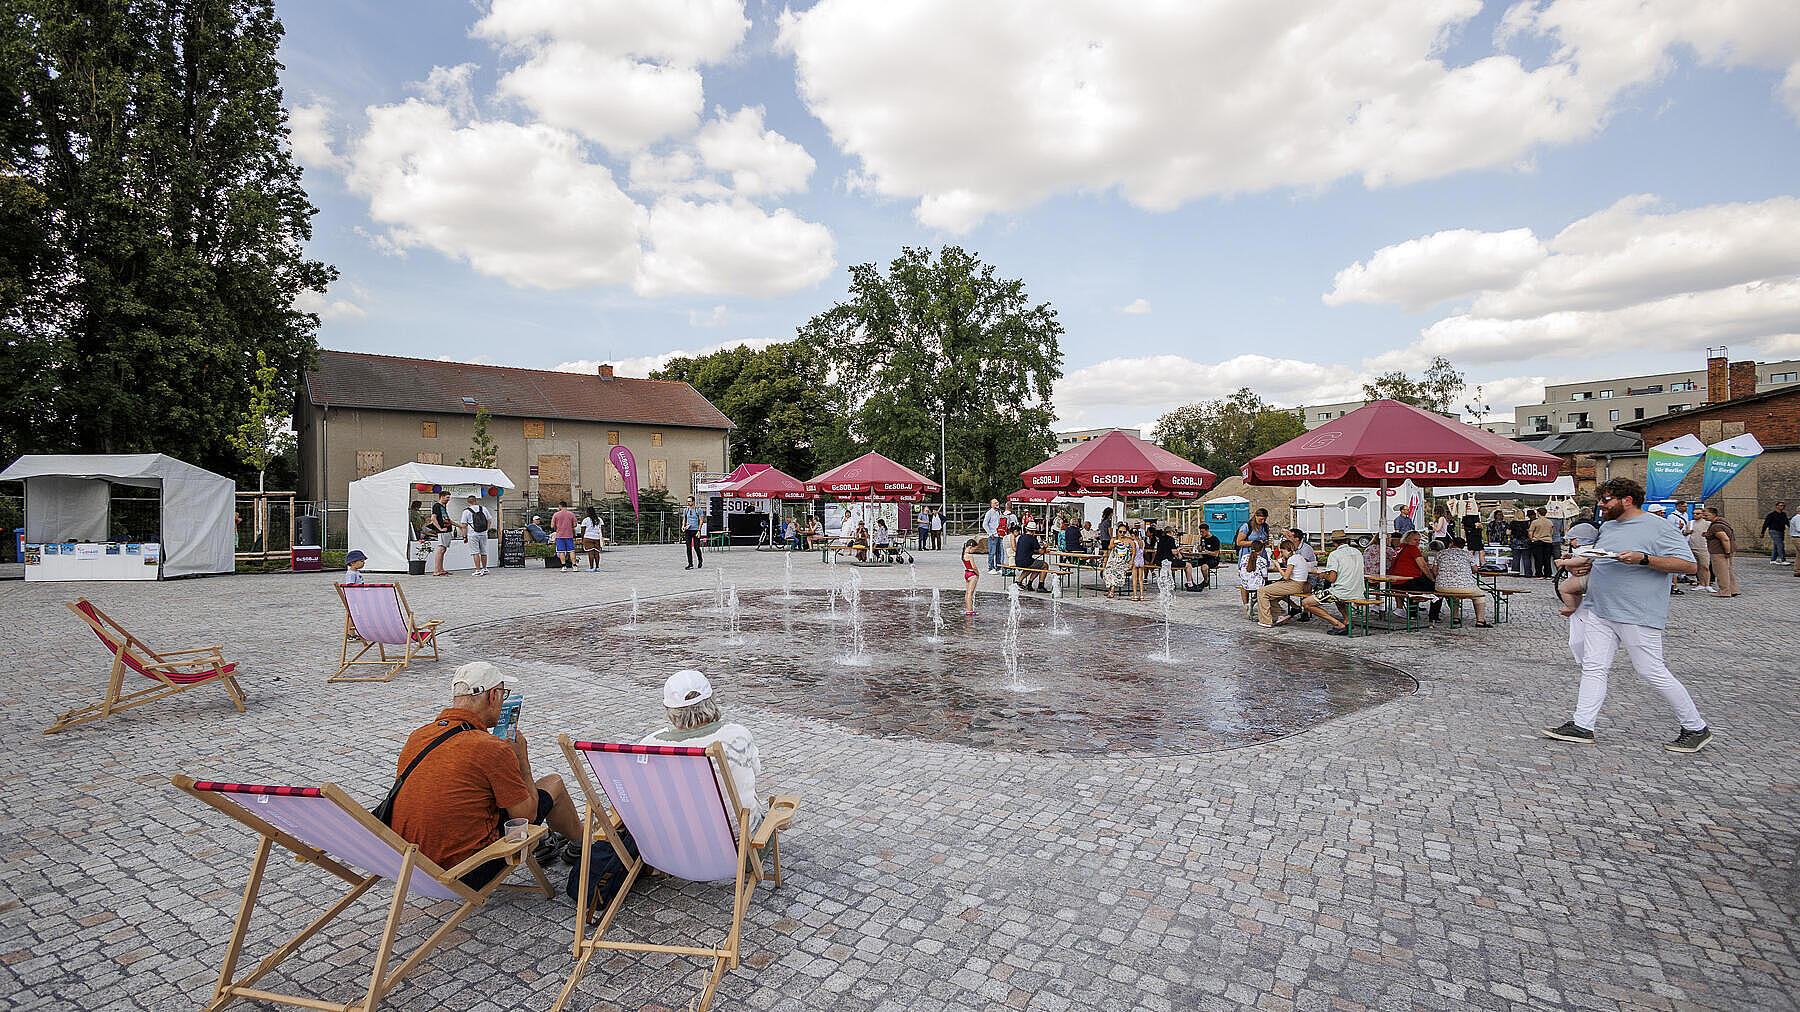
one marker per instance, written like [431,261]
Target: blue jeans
[994,553]
[1778,549]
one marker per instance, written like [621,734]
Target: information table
[53,563]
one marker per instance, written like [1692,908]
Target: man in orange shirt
[457,800]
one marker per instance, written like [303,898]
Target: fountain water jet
[937,617]
[858,655]
[1165,599]
[787,578]
[1009,646]
[735,612]
[718,590]
[1057,626]
[634,611]
[912,574]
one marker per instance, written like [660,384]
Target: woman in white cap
[695,722]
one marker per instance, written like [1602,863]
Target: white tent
[1561,488]
[67,498]
[381,507]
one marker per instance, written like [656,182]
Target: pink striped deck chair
[325,827]
[376,615]
[684,824]
[171,671]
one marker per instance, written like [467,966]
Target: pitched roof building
[360,414]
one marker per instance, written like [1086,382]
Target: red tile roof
[347,379]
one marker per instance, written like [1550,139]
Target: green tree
[779,397]
[944,338]
[1222,435]
[263,433]
[1435,390]
[483,451]
[143,145]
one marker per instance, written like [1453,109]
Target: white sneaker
[1710,590]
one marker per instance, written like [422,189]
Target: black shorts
[483,874]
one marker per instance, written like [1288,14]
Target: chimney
[1743,379]
[606,370]
[1715,378]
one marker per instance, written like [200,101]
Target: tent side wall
[378,519]
[58,508]
[197,532]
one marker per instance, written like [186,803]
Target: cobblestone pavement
[1430,852]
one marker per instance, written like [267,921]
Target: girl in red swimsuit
[970,575]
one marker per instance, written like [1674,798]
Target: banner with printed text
[1669,463]
[627,468]
[1724,459]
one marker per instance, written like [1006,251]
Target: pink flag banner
[621,459]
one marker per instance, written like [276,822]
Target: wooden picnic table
[1077,561]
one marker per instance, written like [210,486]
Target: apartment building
[1601,405]
[1064,440]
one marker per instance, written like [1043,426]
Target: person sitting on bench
[1344,568]
[1026,559]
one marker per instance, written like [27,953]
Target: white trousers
[1599,644]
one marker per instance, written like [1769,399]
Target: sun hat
[354,555]
[477,677]
[685,688]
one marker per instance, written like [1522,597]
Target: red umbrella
[1028,495]
[766,483]
[1119,463]
[1387,441]
[873,477]
[1390,441]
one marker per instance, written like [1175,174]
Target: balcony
[1575,427]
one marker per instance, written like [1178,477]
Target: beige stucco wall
[397,436]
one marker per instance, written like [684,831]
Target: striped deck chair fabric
[326,828]
[684,814]
[172,671]
[376,614]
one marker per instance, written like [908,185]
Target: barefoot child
[971,575]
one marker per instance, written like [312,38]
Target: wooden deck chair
[325,827]
[172,671]
[376,615]
[684,825]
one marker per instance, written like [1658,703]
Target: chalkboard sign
[512,548]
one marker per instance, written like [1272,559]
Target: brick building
[1773,417]
[360,414]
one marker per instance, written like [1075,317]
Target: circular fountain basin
[1097,690]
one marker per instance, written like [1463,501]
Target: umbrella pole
[1384,522]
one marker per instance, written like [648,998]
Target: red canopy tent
[1030,496]
[873,478]
[1119,463]
[766,483]
[1387,441]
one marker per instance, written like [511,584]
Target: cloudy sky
[1291,196]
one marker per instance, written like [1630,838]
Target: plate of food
[1590,552]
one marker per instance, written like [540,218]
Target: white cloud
[1445,265]
[687,32]
[1138,307]
[716,318]
[450,88]
[1006,105]
[646,364]
[732,247]
[1632,276]
[758,160]
[615,101]
[520,203]
[309,134]
[327,308]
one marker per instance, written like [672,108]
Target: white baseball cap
[1657,507]
[477,677]
[685,688]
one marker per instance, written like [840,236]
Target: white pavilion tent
[381,507]
[67,498]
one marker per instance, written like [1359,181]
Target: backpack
[480,524]
[1002,529]
[606,873]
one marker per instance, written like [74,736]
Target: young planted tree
[483,451]
[263,433]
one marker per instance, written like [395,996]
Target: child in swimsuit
[971,575]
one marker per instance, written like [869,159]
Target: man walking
[474,526]
[692,518]
[1627,604]
[990,525]
[1721,544]
[562,524]
[1776,524]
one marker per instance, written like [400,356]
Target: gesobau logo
[1112,479]
[1530,470]
[1423,467]
[1296,470]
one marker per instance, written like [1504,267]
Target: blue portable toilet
[1226,514]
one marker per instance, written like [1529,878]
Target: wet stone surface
[1096,690]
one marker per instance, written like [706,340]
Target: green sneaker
[1570,731]
[1690,741]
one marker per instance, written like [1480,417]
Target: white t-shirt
[937,521]
[468,519]
[592,529]
[740,757]
[1302,567]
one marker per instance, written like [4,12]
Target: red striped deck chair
[326,828]
[376,615]
[685,824]
[171,671]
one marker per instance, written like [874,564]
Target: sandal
[1484,625]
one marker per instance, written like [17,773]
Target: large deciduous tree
[1435,390]
[784,408]
[152,226]
[944,337]
[1222,435]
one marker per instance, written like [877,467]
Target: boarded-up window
[655,439]
[659,474]
[612,437]
[428,430]
[615,483]
[368,462]
[696,466]
[534,430]
[553,478]
[427,457]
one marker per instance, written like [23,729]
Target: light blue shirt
[1634,595]
[692,517]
